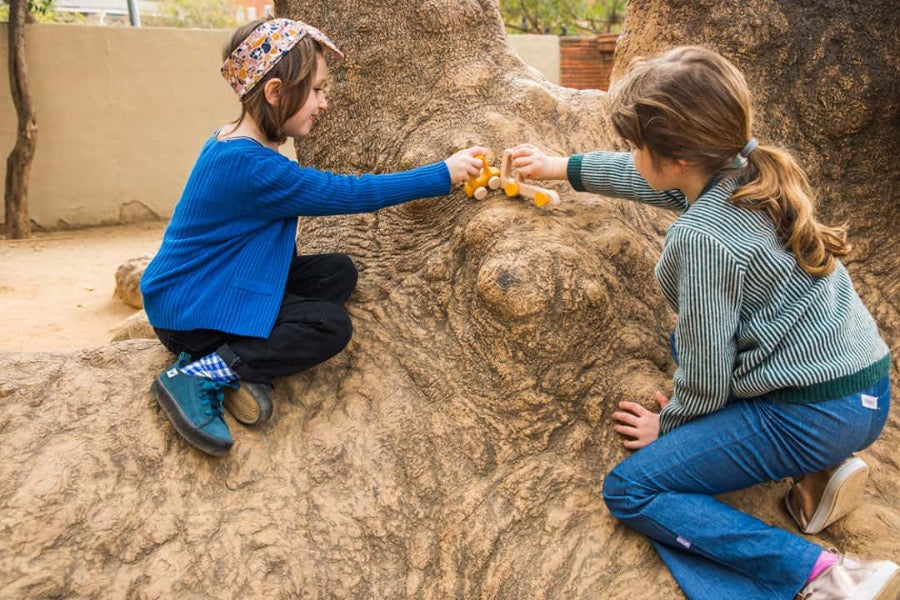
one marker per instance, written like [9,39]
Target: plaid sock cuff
[212,367]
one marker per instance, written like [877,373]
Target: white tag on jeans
[869,401]
[683,542]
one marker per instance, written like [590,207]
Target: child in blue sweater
[227,291]
[780,371]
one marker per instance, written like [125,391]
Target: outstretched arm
[608,173]
[284,189]
[614,174]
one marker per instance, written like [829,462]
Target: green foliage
[192,13]
[172,13]
[562,17]
[40,7]
[41,11]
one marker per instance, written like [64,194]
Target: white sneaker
[854,579]
[819,499]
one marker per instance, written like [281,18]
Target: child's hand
[638,423]
[463,165]
[531,162]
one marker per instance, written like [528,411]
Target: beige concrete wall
[538,51]
[122,113]
[121,116]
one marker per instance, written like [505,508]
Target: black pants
[311,326]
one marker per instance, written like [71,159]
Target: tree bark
[457,447]
[18,164]
[534,324]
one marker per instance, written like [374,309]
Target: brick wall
[586,62]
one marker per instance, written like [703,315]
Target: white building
[104,12]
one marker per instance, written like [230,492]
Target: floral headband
[264,47]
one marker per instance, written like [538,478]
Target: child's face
[300,124]
[659,176]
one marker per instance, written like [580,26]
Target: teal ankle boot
[194,405]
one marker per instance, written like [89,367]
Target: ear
[681,165]
[272,91]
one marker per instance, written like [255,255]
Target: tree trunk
[457,447]
[534,324]
[18,164]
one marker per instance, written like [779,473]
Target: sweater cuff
[573,172]
[438,177]
[665,425]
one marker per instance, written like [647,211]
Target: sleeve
[285,189]
[613,174]
[709,284]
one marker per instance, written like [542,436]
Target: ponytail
[777,185]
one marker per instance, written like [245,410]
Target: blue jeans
[667,489]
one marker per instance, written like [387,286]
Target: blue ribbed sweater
[225,254]
[750,321]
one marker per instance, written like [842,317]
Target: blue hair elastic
[740,161]
[748,148]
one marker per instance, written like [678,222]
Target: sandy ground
[56,289]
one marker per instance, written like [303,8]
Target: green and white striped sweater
[750,321]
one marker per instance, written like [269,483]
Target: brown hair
[692,104]
[296,70]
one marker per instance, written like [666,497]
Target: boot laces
[212,394]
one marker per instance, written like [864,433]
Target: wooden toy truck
[514,185]
[488,178]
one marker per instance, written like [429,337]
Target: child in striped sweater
[227,291]
[780,371]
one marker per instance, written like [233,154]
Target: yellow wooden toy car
[514,185]
[488,178]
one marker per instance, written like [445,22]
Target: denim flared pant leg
[667,489]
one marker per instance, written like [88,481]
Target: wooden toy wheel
[494,183]
[511,188]
[481,193]
[541,199]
